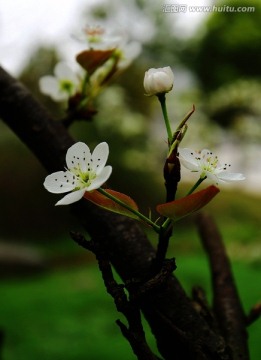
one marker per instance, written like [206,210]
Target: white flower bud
[158,81]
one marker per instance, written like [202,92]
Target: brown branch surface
[227,305]
[134,333]
[124,242]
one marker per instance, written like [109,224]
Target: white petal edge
[213,177]
[188,160]
[71,198]
[56,183]
[101,179]
[63,72]
[48,85]
[224,176]
[99,157]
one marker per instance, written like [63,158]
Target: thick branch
[134,333]
[127,247]
[227,303]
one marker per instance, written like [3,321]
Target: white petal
[101,179]
[78,154]
[187,159]
[60,182]
[99,157]
[225,176]
[71,198]
[49,85]
[205,152]
[213,177]
[63,72]
[130,52]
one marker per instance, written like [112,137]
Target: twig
[254,314]
[227,303]
[202,306]
[171,172]
[163,244]
[139,289]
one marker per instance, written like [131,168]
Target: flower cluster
[104,54]
[85,172]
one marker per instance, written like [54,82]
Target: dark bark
[134,333]
[181,332]
[227,305]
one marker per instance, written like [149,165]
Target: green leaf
[103,201]
[180,208]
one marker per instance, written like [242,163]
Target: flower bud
[158,81]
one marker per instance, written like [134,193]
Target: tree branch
[227,305]
[130,309]
[254,314]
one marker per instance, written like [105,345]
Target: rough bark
[227,304]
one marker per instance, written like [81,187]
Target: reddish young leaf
[90,60]
[177,209]
[103,201]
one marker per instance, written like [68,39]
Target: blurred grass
[63,315]
[67,315]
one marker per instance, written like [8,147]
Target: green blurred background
[53,304]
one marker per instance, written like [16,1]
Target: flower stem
[135,212]
[196,185]
[162,100]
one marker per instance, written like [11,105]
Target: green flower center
[66,86]
[84,178]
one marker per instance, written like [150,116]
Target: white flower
[128,51]
[96,38]
[85,172]
[62,86]
[158,81]
[207,164]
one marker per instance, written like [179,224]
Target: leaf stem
[135,212]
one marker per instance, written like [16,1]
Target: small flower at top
[85,172]
[105,45]
[63,85]
[158,81]
[207,164]
[97,38]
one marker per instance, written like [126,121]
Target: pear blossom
[98,38]
[60,87]
[207,165]
[158,81]
[84,172]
